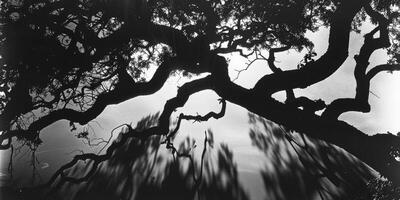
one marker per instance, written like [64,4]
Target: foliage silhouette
[151,173]
[70,59]
[303,168]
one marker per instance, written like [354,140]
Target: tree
[90,54]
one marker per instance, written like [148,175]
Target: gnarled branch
[360,102]
[327,64]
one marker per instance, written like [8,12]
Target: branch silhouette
[71,59]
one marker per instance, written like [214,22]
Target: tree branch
[360,102]
[161,129]
[380,68]
[198,118]
[373,150]
[327,64]
[124,90]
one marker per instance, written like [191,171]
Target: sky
[233,128]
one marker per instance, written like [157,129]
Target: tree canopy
[70,59]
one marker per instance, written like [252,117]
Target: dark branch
[381,68]
[373,150]
[360,102]
[198,118]
[327,64]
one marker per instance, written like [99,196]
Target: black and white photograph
[200,100]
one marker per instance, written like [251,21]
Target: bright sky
[233,128]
